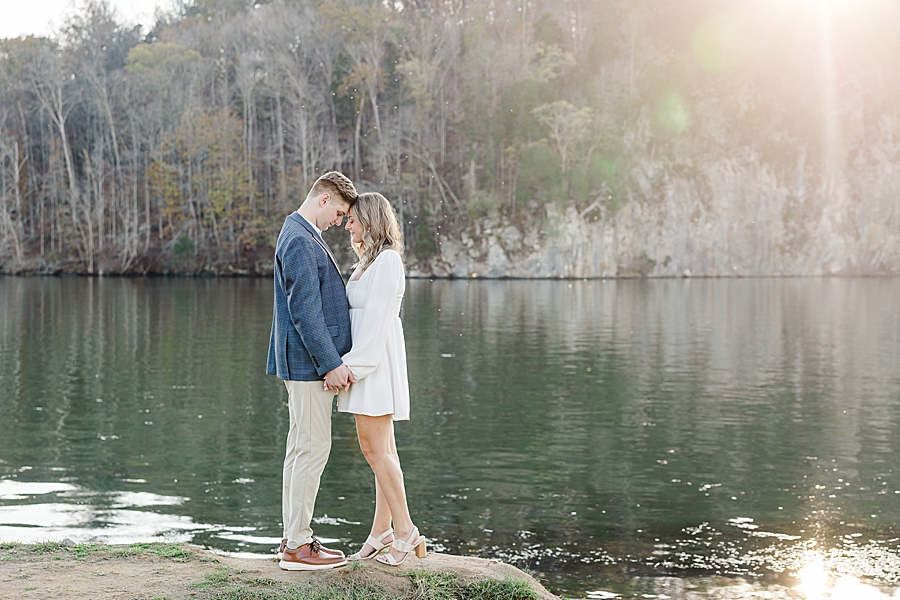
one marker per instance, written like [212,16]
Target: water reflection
[611,436]
[83,515]
[693,588]
[818,582]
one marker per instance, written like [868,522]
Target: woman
[380,394]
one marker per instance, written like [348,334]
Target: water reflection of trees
[122,371]
[631,396]
[532,400]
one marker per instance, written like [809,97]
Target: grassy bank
[160,571]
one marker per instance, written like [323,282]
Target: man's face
[331,212]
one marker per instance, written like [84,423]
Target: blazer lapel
[325,247]
[319,241]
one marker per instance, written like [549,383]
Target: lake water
[636,438]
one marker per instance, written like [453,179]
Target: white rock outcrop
[735,218]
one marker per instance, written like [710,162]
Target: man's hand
[339,378]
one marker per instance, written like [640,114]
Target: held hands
[339,378]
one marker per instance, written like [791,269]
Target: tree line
[183,147]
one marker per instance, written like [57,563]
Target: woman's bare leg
[381,522]
[376,440]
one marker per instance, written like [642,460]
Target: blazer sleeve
[377,315]
[304,303]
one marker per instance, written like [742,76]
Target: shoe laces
[315,546]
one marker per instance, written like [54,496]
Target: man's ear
[323,199]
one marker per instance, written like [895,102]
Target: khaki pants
[308,446]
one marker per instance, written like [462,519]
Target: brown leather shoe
[309,557]
[324,550]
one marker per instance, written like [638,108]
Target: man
[310,332]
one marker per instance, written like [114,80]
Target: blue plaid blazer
[311,321]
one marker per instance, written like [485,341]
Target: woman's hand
[338,378]
[337,387]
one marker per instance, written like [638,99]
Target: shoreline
[181,571]
[212,275]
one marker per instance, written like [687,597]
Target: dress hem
[371,415]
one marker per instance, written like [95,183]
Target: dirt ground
[95,572]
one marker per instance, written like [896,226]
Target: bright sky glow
[44,17]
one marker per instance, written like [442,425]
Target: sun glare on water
[817,582]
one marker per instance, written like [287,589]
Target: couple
[350,337]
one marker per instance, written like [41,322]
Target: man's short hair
[337,185]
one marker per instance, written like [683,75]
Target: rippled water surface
[670,438]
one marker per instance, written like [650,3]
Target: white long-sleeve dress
[378,356]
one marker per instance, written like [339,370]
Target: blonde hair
[381,228]
[337,185]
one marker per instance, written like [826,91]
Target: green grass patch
[85,550]
[222,585]
[130,550]
[344,590]
[219,577]
[449,586]
[355,565]
[9,545]
[258,581]
[173,551]
[48,547]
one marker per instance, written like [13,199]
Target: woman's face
[354,227]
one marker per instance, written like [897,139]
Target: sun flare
[814,579]
[818,582]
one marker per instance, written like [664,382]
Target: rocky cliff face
[733,218]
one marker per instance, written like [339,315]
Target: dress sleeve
[377,315]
